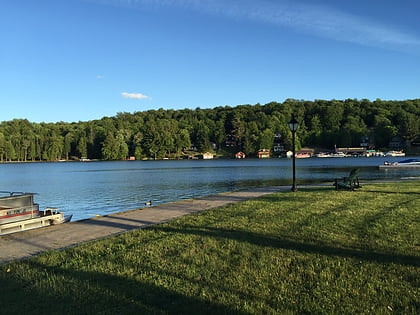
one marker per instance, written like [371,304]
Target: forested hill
[168,133]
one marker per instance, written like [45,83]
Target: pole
[294,162]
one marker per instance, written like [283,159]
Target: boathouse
[208,156]
[263,154]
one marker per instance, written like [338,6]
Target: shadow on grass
[284,243]
[392,192]
[363,189]
[88,292]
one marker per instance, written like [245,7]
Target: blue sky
[78,60]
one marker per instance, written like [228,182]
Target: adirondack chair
[348,183]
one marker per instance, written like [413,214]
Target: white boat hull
[400,166]
[410,163]
[18,212]
[30,224]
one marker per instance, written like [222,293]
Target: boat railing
[15,210]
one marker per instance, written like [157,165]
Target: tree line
[170,133]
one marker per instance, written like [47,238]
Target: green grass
[314,251]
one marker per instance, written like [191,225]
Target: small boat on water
[19,212]
[410,163]
[302,155]
[395,153]
[331,155]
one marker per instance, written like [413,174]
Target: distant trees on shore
[169,133]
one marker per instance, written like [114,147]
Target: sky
[80,60]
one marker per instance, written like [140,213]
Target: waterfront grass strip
[313,251]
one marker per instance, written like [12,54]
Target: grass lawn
[313,251]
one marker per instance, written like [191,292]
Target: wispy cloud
[318,20]
[137,96]
[331,23]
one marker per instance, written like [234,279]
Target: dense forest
[224,130]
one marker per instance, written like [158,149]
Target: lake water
[87,189]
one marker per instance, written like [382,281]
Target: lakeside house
[263,154]
[208,156]
[240,155]
[397,143]
[305,153]
[231,140]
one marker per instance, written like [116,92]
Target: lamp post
[293,126]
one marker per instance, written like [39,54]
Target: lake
[86,189]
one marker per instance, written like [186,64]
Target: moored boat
[409,163]
[331,155]
[323,155]
[302,155]
[395,153]
[19,212]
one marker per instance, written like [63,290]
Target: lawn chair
[348,183]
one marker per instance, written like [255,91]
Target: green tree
[2,147]
[219,133]
[251,143]
[201,137]
[315,130]
[67,143]
[352,131]
[383,131]
[53,148]
[266,139]
[137,140]
[114,147]
[182,141]
[10,153]
[122,146]
[110,147]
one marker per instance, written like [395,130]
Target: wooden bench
[348,183]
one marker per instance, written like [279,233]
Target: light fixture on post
[293,126]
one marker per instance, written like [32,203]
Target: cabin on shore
[263,154]
[305,152]
[208,156]
[240,155]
